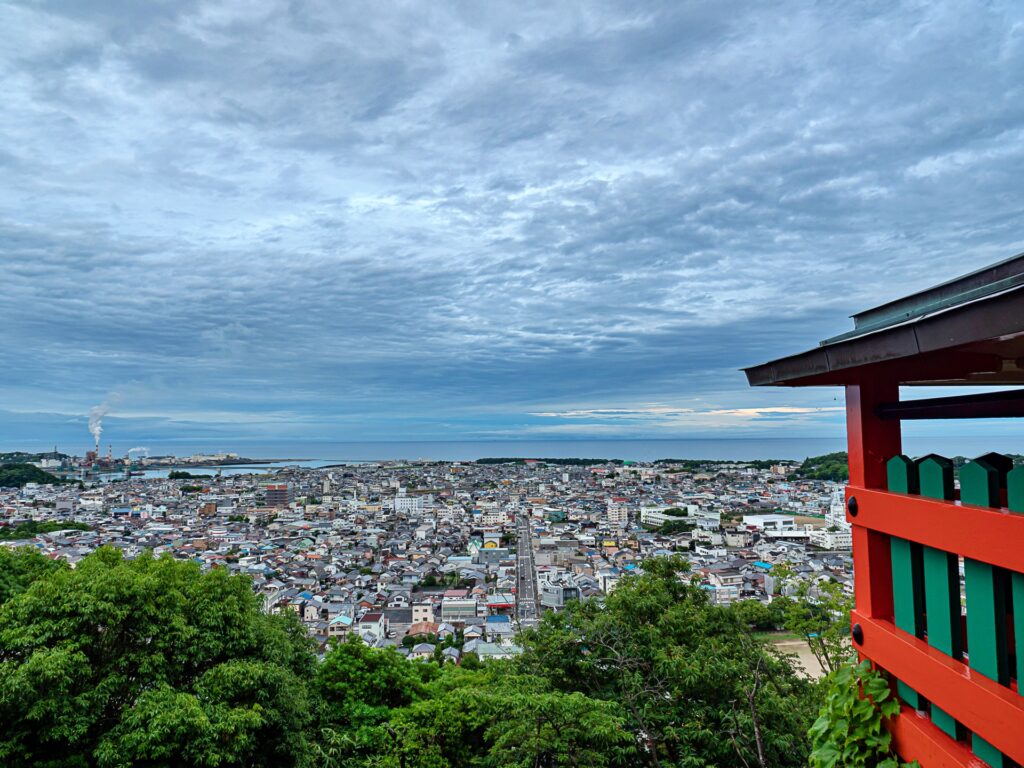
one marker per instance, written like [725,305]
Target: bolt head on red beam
[858,634]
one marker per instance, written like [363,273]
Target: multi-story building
[279,494]
[405,503]
[556,594]
[838,533]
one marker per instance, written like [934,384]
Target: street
[527,604]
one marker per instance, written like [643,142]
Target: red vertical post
[871,442]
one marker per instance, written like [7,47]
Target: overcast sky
[480,219]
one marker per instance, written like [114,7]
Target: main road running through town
[527,606]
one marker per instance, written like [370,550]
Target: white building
[657,515]
[770,522]
[618,515]
[418,503]
[837,534]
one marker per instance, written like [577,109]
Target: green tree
[819,611]
[758,616]
[31,528]
[831,466]
[19,475]
[695,688]
[481,717]
[20,567]
[150,662]
[359,685]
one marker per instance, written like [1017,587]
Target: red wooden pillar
[870,443]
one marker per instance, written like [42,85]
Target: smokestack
[96,414]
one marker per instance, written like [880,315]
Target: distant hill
[21,457]
[831,466]
[559,462]
[17,475]
[32,528]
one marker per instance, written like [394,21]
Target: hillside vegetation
[18,475]
[22,457]
[152,662]
[30,528]
[554,462]
[831,466]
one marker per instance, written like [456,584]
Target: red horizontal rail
[986,534]
[993,711]
[914,737]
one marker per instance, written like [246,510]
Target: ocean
[318,453]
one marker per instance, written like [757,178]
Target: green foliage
[191,488]
[556,462]
[181,474]
[676,526]
[460,716]
[692,685]
[20,567]
[849,731]
[21,457]
[675,512]
[759,617]
[150,662]
[19,475]
[360,685]
[31,528]
[831,466]
[818,611]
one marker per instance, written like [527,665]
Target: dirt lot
[805,659]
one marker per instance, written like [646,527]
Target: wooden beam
[987,405]
[991,535]
[915,737]
[991,711]
[870,443]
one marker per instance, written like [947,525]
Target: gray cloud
[444,219]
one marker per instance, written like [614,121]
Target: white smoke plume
[96,414]
[142,450]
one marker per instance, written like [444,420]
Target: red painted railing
[961,708]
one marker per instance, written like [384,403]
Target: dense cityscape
[511,385]
[411,554]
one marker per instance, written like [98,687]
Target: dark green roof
[978,317]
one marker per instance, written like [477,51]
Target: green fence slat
[988,753]
[979,484]
[1015,503]
[1015,489]
[1017,589]
[907,570]
[941,584]
[902,475]
[986,588]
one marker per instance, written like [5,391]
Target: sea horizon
[626,449]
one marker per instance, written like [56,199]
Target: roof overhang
[966,331]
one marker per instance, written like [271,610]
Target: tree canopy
[149,662]
[19,475]
[30,528]
[831,466]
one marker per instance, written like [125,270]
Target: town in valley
[442,559]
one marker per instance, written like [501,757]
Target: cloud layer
[444,220]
